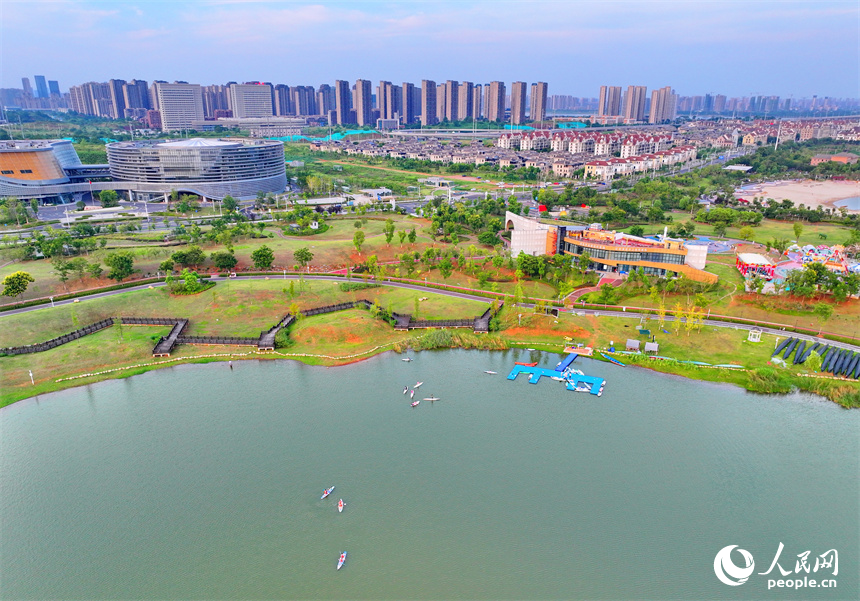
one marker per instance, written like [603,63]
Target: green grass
[770,229]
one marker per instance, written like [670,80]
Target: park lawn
[770,229]
[231,308]
[341,334]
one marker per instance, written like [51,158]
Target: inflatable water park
[574,379]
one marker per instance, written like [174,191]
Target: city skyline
[225,40]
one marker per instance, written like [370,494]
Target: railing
[55,342]
[220,340]
[150,321]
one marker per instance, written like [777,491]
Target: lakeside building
[610,251]
[43,169]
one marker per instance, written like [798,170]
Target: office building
[663,105]
[28,90]
[518,102]
[428,102]
[634,103]
[343,101]
[407,95]
[363,103]
[179,104]
[537,102]
[54,87]
[41,86]
[251,100]
[495,100]
[465,100]
[609,102]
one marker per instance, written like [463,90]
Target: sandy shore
[809,193]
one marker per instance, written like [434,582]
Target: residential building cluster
[633,105]
[730,133]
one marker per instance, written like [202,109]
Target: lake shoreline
[782,383]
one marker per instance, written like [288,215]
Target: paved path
[632,313]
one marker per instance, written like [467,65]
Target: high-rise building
[441,109]
[363,102]
[466,100]
[719,103]
[215,98]
[343,101]
[537,104]
[325,99]
[250,100]
[477,101]
[25,83]
[393,102]
[407,93]
[135,94]
[664,103]
[41,86]
[495,100]
[303,99]
[609,103]
[117,98]
[179,104]
[428,102]
[518,102]
[452,89]
[54,87]
[92,98]
[282,101]
[634,103]
[382,99]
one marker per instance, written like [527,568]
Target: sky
[737,48]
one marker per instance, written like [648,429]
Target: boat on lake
[612,359]
[326,492]
[407,359]
[340,506]
[415,403]
[526,364]
[432,398]
[341,560]
[486,371]
[418,384]
[405,389]
[412,395]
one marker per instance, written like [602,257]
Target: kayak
[411,395]
[341,560]
[486,371]
[418,384]
[407,359]
[432,398]
[526,364]
[405,389]
[326,492]
[415,403]
[340,506]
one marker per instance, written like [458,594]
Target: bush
[353,286]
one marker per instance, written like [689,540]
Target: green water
[199,482]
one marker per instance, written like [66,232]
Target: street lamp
[52,300]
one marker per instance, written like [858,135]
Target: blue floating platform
[575,380]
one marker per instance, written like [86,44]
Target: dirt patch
[524,332]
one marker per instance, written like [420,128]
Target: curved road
[632,314]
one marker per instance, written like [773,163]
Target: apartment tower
[609,103]
[496,101]
[363,102]
[518,102]
[634,103]
[428,102]
[664,103]
[537,104]
[407,98]
[343,101]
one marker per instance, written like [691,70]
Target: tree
[446,268]
[79,266]
[61,269]
[95,269]
[109,198]
[720,228]
[412,236]
[303,256]
[388,230]
[637,230]
[263,258]
[166,266]
[223,259]
[746,233]
[823,311]
[191,256]
[402,235]
[80,205]
[357,224]
[229,204]
[358,240]
[16,284]
[121,264]
[813,362]
[798,229]
[584,262]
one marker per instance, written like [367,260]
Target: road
[630,314]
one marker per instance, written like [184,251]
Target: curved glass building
[212,168]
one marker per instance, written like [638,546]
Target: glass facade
[620,256]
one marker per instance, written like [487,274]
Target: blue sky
[736,48]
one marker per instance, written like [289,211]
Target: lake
[852,204]
[202,482]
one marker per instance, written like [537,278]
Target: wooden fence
[55,342]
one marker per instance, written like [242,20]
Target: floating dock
[574,379]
